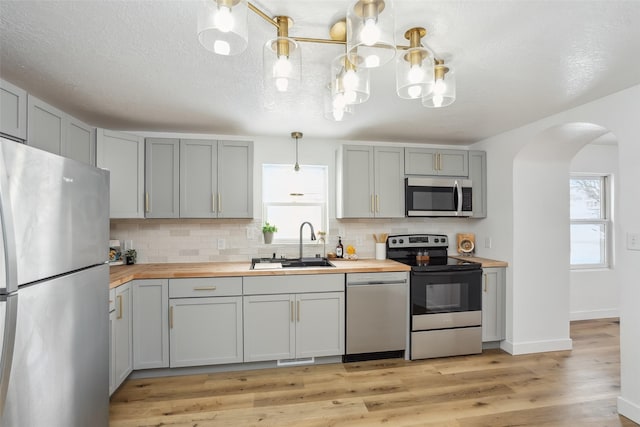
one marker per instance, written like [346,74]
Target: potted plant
[267,232]
[130,256]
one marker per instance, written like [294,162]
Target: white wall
[595,293]
[616,113]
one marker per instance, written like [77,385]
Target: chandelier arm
[262,15]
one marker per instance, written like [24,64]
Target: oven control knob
[393,241]
[437,240]
[401,240]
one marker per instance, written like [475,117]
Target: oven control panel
[417,241]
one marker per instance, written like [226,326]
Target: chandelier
[368,36]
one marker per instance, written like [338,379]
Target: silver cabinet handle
[170,317]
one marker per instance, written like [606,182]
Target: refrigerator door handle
[6,344]
[8,262]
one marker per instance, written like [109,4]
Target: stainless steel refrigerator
[54,320]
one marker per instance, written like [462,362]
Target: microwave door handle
[457,196]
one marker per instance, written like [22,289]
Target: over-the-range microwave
[438,197]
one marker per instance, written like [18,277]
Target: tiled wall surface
[210,240]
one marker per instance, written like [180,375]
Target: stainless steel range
[445,297]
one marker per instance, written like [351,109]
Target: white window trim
[607,221]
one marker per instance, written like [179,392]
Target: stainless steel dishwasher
[377,315]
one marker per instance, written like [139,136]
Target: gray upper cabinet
[81,141]
[478,177]
[370,182]
[433,161]
[216,179]
[123,155]
[13,110]
[161,196]
[46,129]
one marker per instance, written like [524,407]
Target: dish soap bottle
[339,248]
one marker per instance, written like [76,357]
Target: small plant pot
[268,237]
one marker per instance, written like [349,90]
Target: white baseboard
[536,346]
[629,409]
[594,314]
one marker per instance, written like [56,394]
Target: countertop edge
[486,262]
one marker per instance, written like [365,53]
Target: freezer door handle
[8,256]
[9,311]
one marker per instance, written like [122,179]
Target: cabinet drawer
[205,287]
[264,285]
[112,300]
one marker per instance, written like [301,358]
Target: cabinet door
[389,182]
[81,141]
[269,332]
[151,324]
[205,331]
[13,110]
[357,169]
[123,334]
[162,160]
[493,309]
[453,162]
[420,161]
[319,324]
[45,127]
[123,155]
[478,177]
[198,178]
[235,179]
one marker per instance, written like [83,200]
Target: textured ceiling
[137,65]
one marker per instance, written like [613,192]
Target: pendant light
[414,69]
[371,32]
[296,135]
[350,80]
[444,87]
[281,59]
[222,26]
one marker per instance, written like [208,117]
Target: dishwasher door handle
[391,282]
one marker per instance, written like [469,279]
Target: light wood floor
[569,388]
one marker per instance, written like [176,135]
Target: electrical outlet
[221,243]
[487,242]
[633,241]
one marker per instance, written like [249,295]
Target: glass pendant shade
[414,73]
[222,26]
[282,65]
[444,87]
[350,81]
[371,32]
[335,107]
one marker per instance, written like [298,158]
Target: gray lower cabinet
[13,110]
[205,321]
[433,161]
[161,170]
[478,177]
[122,335]
[123,155]
[150,323]
[216,179]
[493,304]
[289,317]
[370,182]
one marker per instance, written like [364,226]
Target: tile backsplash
[210,240]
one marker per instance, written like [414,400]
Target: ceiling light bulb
[224,19]
[437,100]
[439,87]
[370,33]
[282,71]
[416,73]
[415,91]
[221,47]
[338,102]
[372,61]
[282,84]
[338,114]
[350,80]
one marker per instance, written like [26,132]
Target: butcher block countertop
[486,262]
[121,274]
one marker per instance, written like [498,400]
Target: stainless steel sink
[274,263]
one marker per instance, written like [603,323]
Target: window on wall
[291,197]
[590,221]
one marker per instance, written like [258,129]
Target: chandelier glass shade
[371,32]
[282,62]
[444,87]
[348,80]
[222,26]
